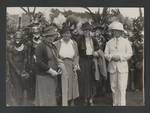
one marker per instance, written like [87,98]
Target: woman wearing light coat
[68,53]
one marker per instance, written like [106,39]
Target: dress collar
[69,42]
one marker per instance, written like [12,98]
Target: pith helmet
[116,26]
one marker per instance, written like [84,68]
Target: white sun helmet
[116,26]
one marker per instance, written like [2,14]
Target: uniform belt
[119,61]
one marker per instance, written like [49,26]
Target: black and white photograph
[75,56]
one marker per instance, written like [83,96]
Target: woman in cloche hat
[47,69]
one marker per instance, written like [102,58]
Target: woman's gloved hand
[60,71]
[53,72]
[76,67]
[25,75]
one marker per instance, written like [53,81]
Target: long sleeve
[100,53]
[102,62]
[25,58]
[96,44]
[128,52]
[39,52]
[11,62]
[76,57]
[107,52]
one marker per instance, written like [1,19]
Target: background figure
[9,79]
[139,51]
[17,61]
[102,84]
[34,38]
[118,50]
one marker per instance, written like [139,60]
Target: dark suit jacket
[82,45]
[45,58]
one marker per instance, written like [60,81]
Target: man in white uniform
[117,51]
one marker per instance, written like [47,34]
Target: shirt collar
[118,38]
[70,41]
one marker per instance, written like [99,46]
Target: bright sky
[126,11]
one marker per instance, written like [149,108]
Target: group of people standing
[67,69]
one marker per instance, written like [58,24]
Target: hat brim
[33,24]
[64,30]
[119,30]
[50,34]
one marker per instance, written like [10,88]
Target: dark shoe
[85,102]
[72,103]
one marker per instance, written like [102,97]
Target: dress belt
[64,58]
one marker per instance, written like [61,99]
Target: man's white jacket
[122,48]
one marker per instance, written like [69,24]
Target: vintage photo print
[75,56]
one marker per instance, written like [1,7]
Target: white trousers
[118,82]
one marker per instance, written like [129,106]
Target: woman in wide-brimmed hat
[87,50]
[47,69]
[68,53]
